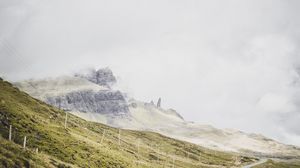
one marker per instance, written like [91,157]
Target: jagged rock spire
[159,102]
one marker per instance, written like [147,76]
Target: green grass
[80,144]
[275,164]
[13,155]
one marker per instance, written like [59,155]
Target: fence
[19,138]
[145,154]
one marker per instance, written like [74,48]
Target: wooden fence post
[66,120]
[199,156]
[157,153]
[138,146]
[119,137]
[102,138]
[166,160]
[10,129]
[173,162]
[24,143]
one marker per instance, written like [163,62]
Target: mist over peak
[102,76]
[235,59]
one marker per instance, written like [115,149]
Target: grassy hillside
[88,144]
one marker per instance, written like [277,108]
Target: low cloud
[226,63]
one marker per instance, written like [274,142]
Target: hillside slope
[105,107]
[279,164]
[88,144]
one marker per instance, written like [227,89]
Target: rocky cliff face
[103,102]
[92,95]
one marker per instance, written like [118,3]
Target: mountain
[103,77]
[53,141]
[117,110]
[78,94]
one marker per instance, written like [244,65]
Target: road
[256,163]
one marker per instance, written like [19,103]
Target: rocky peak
[103,76]
[159,103]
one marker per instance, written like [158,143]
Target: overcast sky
[231,64]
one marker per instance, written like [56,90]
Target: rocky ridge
[86,93]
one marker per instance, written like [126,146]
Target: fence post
[138,152]
[138,146]
[66,120]
[119,137]
[102,137]
[157,153]
[24,143]
[173,162]
[199,156]
[10,129]
[166,160]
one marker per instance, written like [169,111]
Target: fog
[231,64]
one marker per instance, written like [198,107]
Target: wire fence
[144,153]
[26,141]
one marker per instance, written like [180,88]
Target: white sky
[232,64]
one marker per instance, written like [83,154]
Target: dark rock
[159,103]
[103,77]
[103,102]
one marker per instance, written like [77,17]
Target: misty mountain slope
[52,87]
[77,94]
[141,116]
[154,118]
[146,116]
[89,144]
[138,115]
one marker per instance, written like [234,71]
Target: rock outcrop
[103,77]
[103,102]
[159,103]
[89,92]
